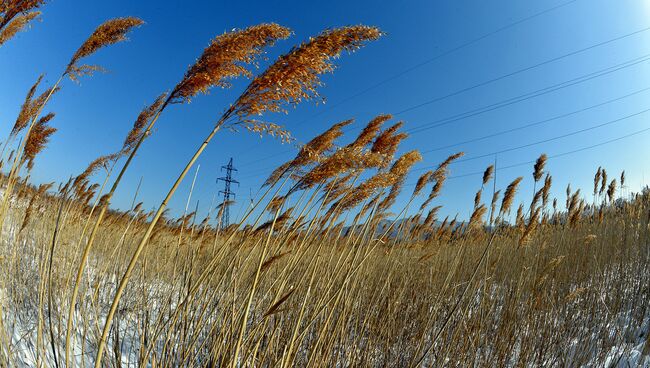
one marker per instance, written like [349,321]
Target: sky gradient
[561,75]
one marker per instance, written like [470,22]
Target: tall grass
[318,272]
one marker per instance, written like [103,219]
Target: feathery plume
[385,145]
[509,196]
[439,175]
[38,138]
[108,33]
[539,167]
[530,228]
[27,110]
[546,189]
[310,152]
[477,198]
[370,131]
[611,190]
[381,180]
[145,115]
[622,178]
[519,218]
[10,9]
[493,205]
[487,174]
[297,71]
[476,220]
[423,180]
[389,200]
[597,180]
[223,58]
[17,25]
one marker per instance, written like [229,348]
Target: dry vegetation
[319,272]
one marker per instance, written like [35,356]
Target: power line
[546,140]
[521,127]
[519,71]
[529,95]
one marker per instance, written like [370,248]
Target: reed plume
[476,219]
[108,33]
[385,145]
[519,217]
[370,131]
[11,9]
[39,137]
[576,213]
[423,180]
[509,196]
[140,123]
[352,159]
[622,179]
[31,107]
[477,198]
[294,77]
[538,169]
[597,180]
[389,200]
[546,189]
[432,216]
[381,180]
[487,174]
[611,190]
[439,175]
[223,58]
[530,228]
[603,182]
[26,110]
[17,25]
[493,205]
[310,152]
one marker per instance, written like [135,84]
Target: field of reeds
[324,270]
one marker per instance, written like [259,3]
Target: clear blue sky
[93,117]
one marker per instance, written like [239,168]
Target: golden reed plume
[222,59]
[108,33]
[17,25]
[38,138]
[509,195]
[297,72]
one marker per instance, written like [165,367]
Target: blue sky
[93,116]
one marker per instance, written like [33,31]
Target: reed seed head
[226,58]
[17,25]
[108,33]
[487,174]
[295,76]
[539,167]
[509,195]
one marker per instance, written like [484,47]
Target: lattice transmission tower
[227,193]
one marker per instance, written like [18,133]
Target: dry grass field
[319,272]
